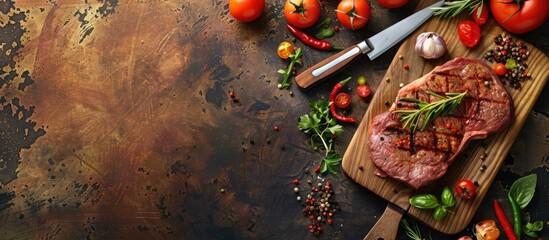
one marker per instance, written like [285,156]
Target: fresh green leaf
[523,190]
[295,58]
[424,201]
[451,9]
[321,127]
[440,212]
[427,112]
[413,233]
[531,229]
[447,197]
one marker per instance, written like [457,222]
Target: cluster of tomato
[352,14]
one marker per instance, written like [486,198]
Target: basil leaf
[424,201]
[447,197]
[523,190]
[439,213]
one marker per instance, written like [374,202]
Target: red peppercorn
[311,217]
[295,181]
[231,94]
[317,169]
[276,128]
[319,228]
[330,221]
[311,227]
[406,66]
[236,99]
[336,28]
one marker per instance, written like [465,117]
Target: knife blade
[372,47]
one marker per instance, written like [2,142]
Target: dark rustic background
[116,123]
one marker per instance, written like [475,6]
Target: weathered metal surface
[116,123]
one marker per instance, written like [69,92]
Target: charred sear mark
[17,132]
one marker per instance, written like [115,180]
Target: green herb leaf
[447,197]
[523,190]
[329,163]
[531,229]
[451,9]
[440,212]
[427,112]
[413,233]
[321,128]
[294,58]
[424,201]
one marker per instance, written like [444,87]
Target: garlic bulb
[430,45]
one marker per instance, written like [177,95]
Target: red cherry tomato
[342,100]
[353,14]
[520,16]
[469,33]
[302,13]
[480,14]
[392,3]
[363,91]
[246,10]
[499,69]
[466,189]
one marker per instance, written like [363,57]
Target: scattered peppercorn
[336,28]
[295,182]
[231,94]
[514,56]
[276,128]
[222,190]
[319,207]
[406,66]
[317,169]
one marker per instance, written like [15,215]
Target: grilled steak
[418,158]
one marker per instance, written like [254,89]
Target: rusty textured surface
[116,123]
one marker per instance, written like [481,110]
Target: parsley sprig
[427,112]
[451,9]
[294,58]
[322,129]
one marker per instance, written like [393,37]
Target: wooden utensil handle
[330,65]
[386,227]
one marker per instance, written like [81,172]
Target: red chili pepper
[311,41]
[333,94]
[504,221]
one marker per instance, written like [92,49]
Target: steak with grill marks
[418,158]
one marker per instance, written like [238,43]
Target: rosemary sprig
[453,8]
[413,233]
[429,111]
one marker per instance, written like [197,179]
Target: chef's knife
[372,47]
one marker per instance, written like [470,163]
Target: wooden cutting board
[356,161]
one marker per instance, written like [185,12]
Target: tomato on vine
[302,13]
[520,16]
[353,14]
[466,189]
[246,10]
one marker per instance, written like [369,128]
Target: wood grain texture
[357,165]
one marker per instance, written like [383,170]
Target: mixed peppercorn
[513,55]
[319,205]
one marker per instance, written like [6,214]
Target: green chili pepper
[517,217]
